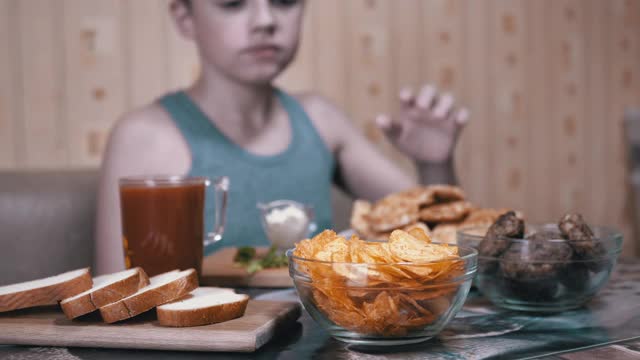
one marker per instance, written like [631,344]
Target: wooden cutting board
[49,327]
[218,269]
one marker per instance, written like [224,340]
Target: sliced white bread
[162,289]
[106,289]
[47,291]
[203,306]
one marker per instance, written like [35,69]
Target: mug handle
[311,214]
[221,191]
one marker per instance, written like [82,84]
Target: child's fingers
[461,117]
[425,97]
[407,97]
[388,125]
[443,106]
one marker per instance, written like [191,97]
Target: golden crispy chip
[307,248]
[447,212]
[419,233]
[379,288]
[410,249]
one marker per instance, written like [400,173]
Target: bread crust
[148,299]
[204,315]
[106,295]
[47,295]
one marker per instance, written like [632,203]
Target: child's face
[251,41]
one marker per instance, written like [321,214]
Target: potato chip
[380,288]
[410,249]
[420,234]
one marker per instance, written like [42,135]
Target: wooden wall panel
[8,93]
[477,175]
[598,97]
[624,76]
[96,91]
[299,76]
[540,157]
[45,142]
[182,55]
[147,65]
[370,92]
[408,64]
[568,104]
[509,31]
[443,55]
[328,39]
[546,81]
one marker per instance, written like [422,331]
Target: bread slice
[47,291]
[162,289]
[106,289]
[205,305]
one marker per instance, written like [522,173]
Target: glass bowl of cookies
[542,268]
[401,291]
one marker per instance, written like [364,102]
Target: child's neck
[238,108]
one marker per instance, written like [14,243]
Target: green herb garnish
[245,257]
[244,254]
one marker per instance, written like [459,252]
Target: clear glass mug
[163,220]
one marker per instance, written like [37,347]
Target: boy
[232,121]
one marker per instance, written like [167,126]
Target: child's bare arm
[142,142]
[426,129]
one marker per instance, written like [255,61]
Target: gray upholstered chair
[46,223]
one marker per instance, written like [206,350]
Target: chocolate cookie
[538,258]
[575,277]
[582,240]
[530,291]
[496,241]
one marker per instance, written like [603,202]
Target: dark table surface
[306,340]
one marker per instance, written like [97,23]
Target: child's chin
[261,75]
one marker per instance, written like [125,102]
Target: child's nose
[262,17]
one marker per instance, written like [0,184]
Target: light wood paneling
[147,65]
[509,30]
[546,81]
[45,147]
[96,91]
[182,56]
[567,103]
[328,39]
[623,82]
[298,76]
[540,156]
[477,177]
[8,93]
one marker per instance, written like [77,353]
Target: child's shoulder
[148,125]
[318,106]
[151,118]
[330,121]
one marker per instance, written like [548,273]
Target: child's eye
[284,3]
[232,4]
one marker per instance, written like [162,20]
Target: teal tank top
[303,172]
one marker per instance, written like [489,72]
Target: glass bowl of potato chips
[401,291]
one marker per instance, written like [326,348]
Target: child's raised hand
[427,126]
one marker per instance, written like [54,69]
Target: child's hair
[186,3]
